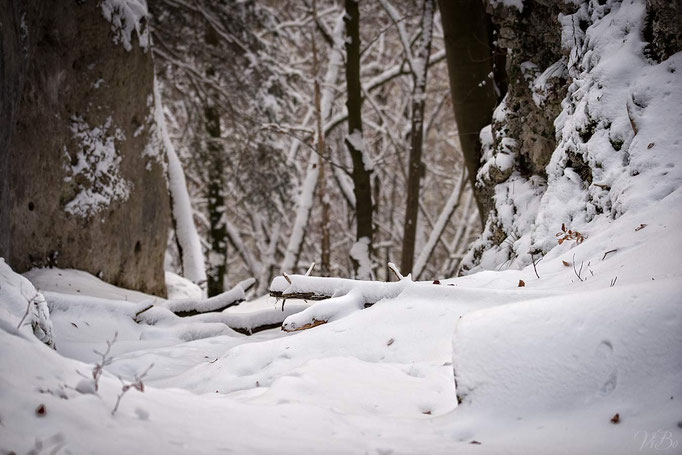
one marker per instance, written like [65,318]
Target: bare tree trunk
[305,198]
[470,63]
[217,235]
[415,167]
[362,167]
[325,254]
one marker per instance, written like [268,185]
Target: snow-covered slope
[617,137]
[545,373]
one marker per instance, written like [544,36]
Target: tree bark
[217,235]
[469,60]
[362,168]
[84,176]
[415,166]
[325,253]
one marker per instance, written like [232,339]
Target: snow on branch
[341,297]
[188,307]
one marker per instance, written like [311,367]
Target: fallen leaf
[615,418]
[390,342]
[436,282]
[640,227]
[567,264]
[651,144]
[475,442]
[522,283]
[40,410]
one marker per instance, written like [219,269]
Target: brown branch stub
[310,325]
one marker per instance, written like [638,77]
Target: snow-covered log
[189,307]
[340,297]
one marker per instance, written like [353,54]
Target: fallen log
[338,297]
[218,303]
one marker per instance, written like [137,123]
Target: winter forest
[340,226]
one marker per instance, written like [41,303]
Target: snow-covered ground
[540,368]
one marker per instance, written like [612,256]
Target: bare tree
[362,164]
[419,64]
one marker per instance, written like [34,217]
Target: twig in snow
[577,273]
[286,277]
[395,271]
[532,258]
[310,269]
[137,385]
[613,282]
[28,309]
[608,252]
[104,361]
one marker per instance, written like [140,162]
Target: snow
[612,83]
[359,252]
[518,4]
[234,295]
[356,141]
[545,366]
[181,288]
[127,17]
[23,306]
[96,172]
[539,368]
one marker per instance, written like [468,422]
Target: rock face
[85,166]
[565,144]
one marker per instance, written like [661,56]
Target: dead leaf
[651,144]
[522,283]
[436,282]
[390,342]
[640,227]
[40,410]
[567,264]
[615,418]
[475,442]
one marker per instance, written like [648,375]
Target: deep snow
[539,368]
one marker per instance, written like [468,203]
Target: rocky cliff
[589,127]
